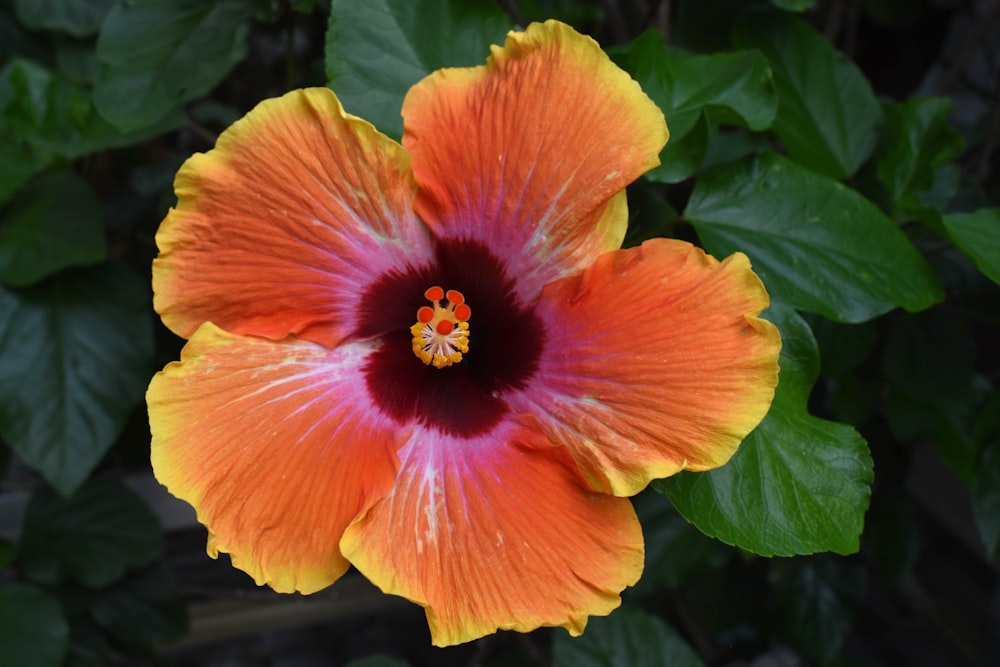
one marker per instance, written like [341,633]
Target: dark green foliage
[142,608]
[81,345]
[828,116]
[158,55]
[801,231]
[818,599]
[377,49]
[628,638]
[977,234]
[92,538]
[55,222]
[33,630]
[917,141]
[695,91]
[80,18]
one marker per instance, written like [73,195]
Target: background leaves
[827,113]
[377,49]
[159,55]
[32,628]
[917,141]
[695,91]
[629,638]
[81,357]
[92,538]
[978,236]
[801,232]
[79,18]
[55,223]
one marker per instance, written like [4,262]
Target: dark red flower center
[504,344]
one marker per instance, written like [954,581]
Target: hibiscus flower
[432,361]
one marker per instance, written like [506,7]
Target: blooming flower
[432,361]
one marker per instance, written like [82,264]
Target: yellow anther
[441,333]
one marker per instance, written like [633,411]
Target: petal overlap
[525,153]
[280,228]
[497,532]
[656,362]
[276,446]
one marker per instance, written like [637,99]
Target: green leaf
[828,116]
[736,88]
[798,484]
[952,189]
[14,39]
[817,245]
[159,54]
[76,17]
[18,164]
[986,499]
[819,599]
[917,141]
[683,156]
[41,110]
[377,49]
[54,119]
[54,223]
[794,5]
[143,608]
[75,358]
[626,638]
[94,537]
[730,144]
[33,630]
[978,236]
[76,60]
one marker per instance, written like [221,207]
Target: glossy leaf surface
[802,231]
[798,484]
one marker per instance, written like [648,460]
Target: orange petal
[655,362]
[524,153]
[276,446]
[280,227]
[488,534]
